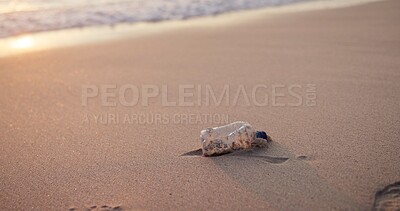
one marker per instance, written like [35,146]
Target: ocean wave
[47,15]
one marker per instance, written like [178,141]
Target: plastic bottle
[225,139]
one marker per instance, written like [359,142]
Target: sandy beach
[334,151]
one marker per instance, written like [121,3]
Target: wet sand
[333,155]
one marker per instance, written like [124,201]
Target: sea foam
[18,17]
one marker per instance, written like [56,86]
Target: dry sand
[340,151]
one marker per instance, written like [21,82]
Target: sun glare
[23,42]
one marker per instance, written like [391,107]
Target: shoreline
[47,40]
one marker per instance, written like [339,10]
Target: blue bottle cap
[261,134]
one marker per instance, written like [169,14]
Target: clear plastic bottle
[225,139]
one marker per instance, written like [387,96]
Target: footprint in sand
[99,208]
[305,158]
[245,153]
[388,198]
[302,157]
